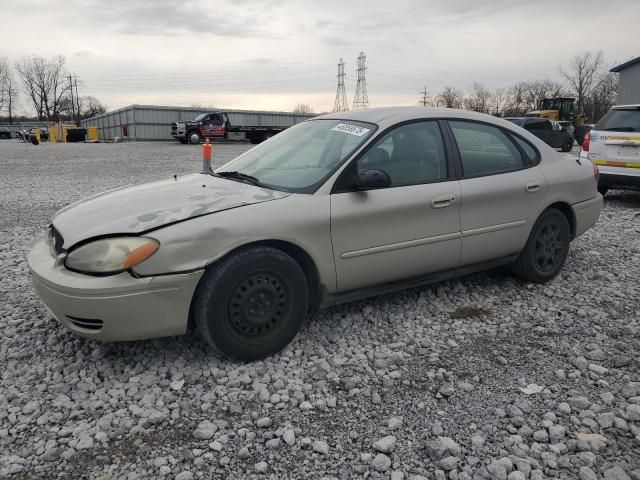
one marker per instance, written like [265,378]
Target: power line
[361,99]
[340,105]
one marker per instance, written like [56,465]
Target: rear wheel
[603,190]
[251,304]
[546,250]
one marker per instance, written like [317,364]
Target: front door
[213,126]
[501,191]
[408,229]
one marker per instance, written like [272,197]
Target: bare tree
[500,100]
[516,104]
[303,108]
[536,90]
[4,69]
[91,106]
[8,88]
[450,98]
[582,75]
[478,99]
[44,83]
[602,97]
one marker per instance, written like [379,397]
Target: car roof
[390,115]
[530,119]
[636,105]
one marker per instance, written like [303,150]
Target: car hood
[137,209]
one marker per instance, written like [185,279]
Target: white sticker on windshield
[351,129]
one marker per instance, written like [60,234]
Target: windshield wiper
[240,176]
[621,129]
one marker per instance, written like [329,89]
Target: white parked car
[614,145]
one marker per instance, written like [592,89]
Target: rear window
[620,120]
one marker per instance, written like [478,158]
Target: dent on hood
[198,205]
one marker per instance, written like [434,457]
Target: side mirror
[373,178]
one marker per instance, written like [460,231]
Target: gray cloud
[223,52]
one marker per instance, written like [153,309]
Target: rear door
[615,141]
[501,190]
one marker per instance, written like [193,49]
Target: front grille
[56,240]
[86,323]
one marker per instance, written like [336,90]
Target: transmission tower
[361,99]
[340,104]
[424,97]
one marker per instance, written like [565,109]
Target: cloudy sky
[273,54]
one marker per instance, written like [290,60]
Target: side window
[528,150]
[216,119]
[484,149]
[410,154]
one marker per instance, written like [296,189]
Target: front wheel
[194,138]
[251,304]
[546,250]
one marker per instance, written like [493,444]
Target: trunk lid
[615,140]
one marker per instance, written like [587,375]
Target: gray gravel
[544,382]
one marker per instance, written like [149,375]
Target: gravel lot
[484,377]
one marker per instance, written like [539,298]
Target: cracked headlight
[111,255]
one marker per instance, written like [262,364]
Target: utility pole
[340,105]
[361,99]
[424,95]
[77,101]
[73,110]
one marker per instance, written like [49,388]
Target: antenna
[361,99]
[340,104]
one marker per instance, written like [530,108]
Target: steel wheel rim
[548,249]
[258,305]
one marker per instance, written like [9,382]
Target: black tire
[603,189]
[567,145]
[546,250]
[194,137]
[251,304]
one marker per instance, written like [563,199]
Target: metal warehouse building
[152,122]
[628,82]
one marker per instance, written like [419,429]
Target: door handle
[442,201]
[532,187]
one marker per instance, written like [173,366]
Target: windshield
[517,121]
[303,156]
[200,117]
[622,120]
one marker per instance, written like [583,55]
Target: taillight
[596,171]
[586,142]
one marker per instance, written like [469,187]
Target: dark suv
[543,129]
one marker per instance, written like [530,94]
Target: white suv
[614,145]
